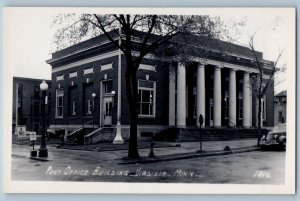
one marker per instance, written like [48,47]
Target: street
[255,167]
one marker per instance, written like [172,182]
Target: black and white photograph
[149,100]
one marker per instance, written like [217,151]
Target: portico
[222,95]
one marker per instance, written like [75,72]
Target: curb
[39,159]
[30,157]
[119,149]
[189,155]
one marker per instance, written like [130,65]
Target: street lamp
[118,139]
[94,96]
[113,93]
[43,151]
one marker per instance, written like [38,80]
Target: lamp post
[113,93]
[94,104]
[118,138]
[43,151]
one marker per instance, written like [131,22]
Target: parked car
[275,139]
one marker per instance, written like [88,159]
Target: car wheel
[283,144]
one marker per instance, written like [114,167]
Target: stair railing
[90,135]
[234,125]
[79,129]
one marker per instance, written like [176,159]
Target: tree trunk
[259,121]
[132,97]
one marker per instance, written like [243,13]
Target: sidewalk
[171,151]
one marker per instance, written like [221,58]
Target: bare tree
[280,75]
[262,80]
[152,31]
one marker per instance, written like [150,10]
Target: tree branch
[102,27]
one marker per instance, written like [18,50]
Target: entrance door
[107,111]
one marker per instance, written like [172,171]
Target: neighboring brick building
[280,108]
[27,104]
[218,89]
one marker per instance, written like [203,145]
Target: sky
[28,39]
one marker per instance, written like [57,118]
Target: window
[226,107]
[283,100]
[194,103]
[279,101]
[72,96]
[211,109]
[146,102]
[90,106]
[280,117]
[59,103]
[107,87]
[73,107]
[240,109]
[88,90]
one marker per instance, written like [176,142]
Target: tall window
[146,102]
[194,103]
[59,103]
[73,107]
[240,109]
[88,90]
[90,106]
[226,107]
[211,109]
[72,100]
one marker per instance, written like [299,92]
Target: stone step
[106,134]
[208,134]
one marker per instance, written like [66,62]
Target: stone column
[246,100]
[232,98]
[200,93]
[172,84]
[181,95]
[217,96]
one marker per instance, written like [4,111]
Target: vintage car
[275,139]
